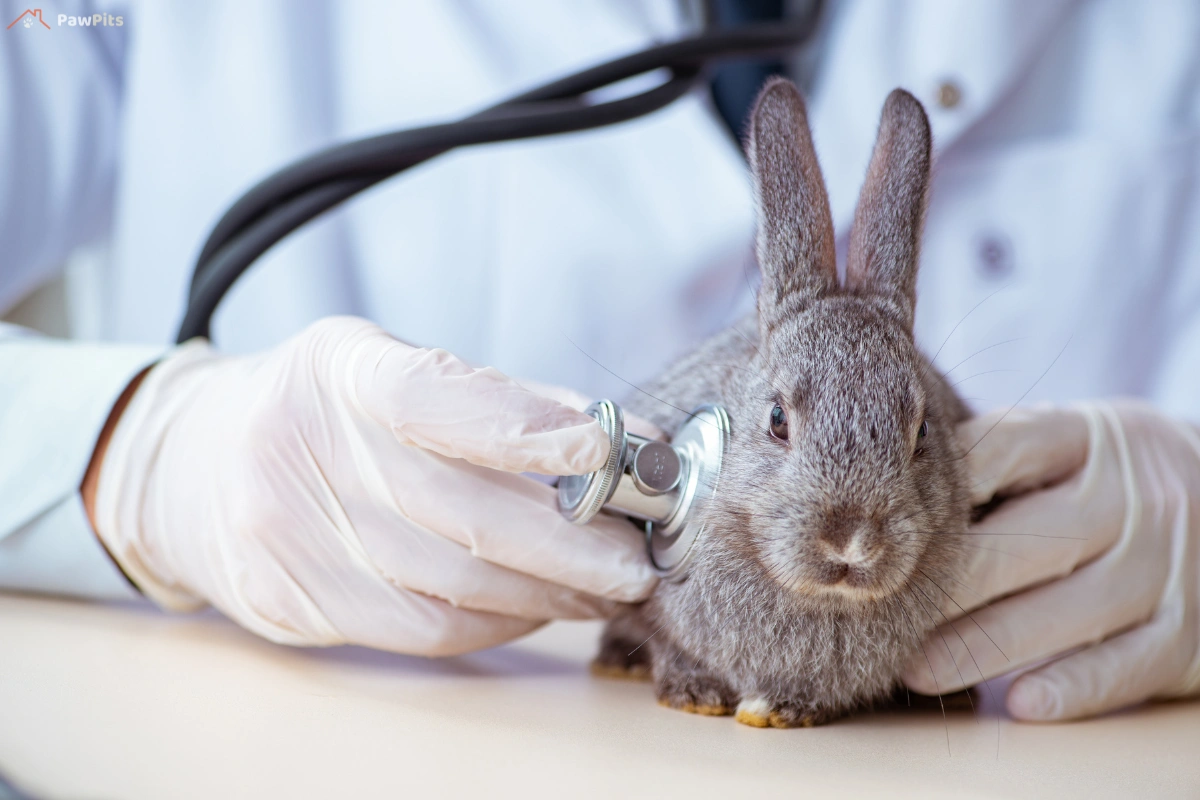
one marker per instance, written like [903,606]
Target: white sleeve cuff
[55,397]
[57,553]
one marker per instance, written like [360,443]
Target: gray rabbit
[843,497]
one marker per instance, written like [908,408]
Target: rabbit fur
[825,553]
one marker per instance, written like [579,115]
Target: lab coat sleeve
[1178,386]
[60,95]
[55,397]
[1175,384]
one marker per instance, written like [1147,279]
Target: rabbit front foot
[692,690]
[758,712]
[624,653]
[621,671]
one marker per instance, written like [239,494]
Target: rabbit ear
[795,229]
[886,237]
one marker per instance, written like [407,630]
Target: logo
[30,18]
[95,20]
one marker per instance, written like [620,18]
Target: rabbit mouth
[859,581]
[855,581]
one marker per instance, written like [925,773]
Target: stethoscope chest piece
[702,440]
[664,486]
[580,497]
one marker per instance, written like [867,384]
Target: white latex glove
[1106,561]
[348,488]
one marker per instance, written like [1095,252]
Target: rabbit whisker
[738,331]
[924,652]
[688,414]
[678,655]
[987,685]
[981,351]
[1034,535]
[746,274]
[916,513]
[648,638]
[949,652]
[964,319]
[970,617]
[1019,399]
[981,374]
[747,369]
[983,603]
[916,561]
[995,550]
[774,373]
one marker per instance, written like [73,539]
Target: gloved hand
[1102,549]
[348,488]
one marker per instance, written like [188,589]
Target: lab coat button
[995,256]
[949,95]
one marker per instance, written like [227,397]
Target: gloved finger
[415,558]
[1048,533]
[1122,671]
[1033,539]
[416,624]
[578,401]
[360,530]
[1013,451]
[560,394]
[284,604]
[1021,630]
[431,399]
[514,522]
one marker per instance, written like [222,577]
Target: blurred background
[1063,210]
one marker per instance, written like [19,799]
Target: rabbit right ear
[886,236]
[795,229]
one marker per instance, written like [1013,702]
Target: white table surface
[118,702]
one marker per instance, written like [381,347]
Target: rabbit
[843,487]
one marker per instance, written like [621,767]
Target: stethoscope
[664,486]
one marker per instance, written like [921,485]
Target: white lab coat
[1065,208]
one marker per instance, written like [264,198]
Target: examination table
[110,701]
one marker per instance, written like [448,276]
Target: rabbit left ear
[795,229]
[886,238]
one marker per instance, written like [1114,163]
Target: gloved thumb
[433,400]
[1017,450]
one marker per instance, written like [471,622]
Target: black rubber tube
[370,154]
[214,278]
[289,198]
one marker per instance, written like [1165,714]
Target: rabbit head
[843,477]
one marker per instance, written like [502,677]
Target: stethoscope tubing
[298,193]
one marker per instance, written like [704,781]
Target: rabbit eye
[779,423]
[922,432]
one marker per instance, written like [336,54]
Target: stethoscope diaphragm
[664,486]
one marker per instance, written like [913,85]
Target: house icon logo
[30,18]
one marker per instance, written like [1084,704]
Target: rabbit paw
[696,693]
[620,670]
[623,653]
[761,713]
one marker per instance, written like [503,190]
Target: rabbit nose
[848,540]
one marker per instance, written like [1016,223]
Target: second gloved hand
[348,488]
[1095,563]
